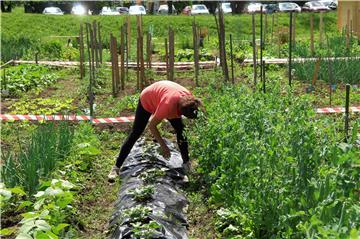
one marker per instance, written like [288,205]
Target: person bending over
[161,100]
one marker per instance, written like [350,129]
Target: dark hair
[189,106]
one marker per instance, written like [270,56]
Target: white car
[137,10]
[226,8]
[255,7]
[107,11]
[289,7]
[164,9]
[78,10]
[199,9]
[315,7]
[53,11]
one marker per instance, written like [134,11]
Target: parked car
[122,10]
[164,9]
[289,7]
[226,8]
[186,10]
[331,4]
[53,11]
[108,11]
[137,10]
[271,8]
[78,10]
[254,7]
[199,9]
[315,7]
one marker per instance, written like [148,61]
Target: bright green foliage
[47,216]
[276,169]
[143,193]
[49,144]
[42,106]
[23,78]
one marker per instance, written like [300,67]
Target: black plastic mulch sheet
[134,218]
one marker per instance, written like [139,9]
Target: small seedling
[145,231]
[138,213]
[151,175]
[142,194]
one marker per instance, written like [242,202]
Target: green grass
[22,32]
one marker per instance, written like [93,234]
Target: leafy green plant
[138,213]
[151,175]
[42,106]
[48,214]
[142,194]
[23,78]
[144,231]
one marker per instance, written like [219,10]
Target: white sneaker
[113,174]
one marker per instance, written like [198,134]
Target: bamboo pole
[128,18]
[290,49]
[261,42]
[272,28]
[294,30]
[232,60]
[148,49]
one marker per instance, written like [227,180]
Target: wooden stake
[196,52]
[222,44]
[232,60]
[272,28]
[254,47]
[290,48]
[294,31]
[122,52]
[95,45]
[347,103]
[148,49]
[316,72]
[167,59]
[171,53]
[263,76]
[265,29]
[128,35]
[348,30]
[261,42]
[99,43]
[321,25]
[113,77]
[81,49]
[312,35]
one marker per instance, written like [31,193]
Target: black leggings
[141,119]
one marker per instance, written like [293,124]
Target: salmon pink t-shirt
[161,99]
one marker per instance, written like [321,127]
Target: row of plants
[41,181]
[273,168]
[22,78]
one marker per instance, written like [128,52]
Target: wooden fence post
[321,25]
[196,51]
[95,45]
[312,35]
[81,48]
[171,53]
[122,52]
[254,47]
[167,58]
[99,43]
[222,44]
[113,78]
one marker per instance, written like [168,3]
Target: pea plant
[274,169]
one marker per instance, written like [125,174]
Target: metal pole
[347,99]
[232,60]
[290,48]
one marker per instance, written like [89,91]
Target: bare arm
[155,132]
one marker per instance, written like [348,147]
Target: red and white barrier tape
[7,117]
[337,110]
[127,119]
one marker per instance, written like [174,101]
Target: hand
[166,152]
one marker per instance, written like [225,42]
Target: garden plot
[265,164]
